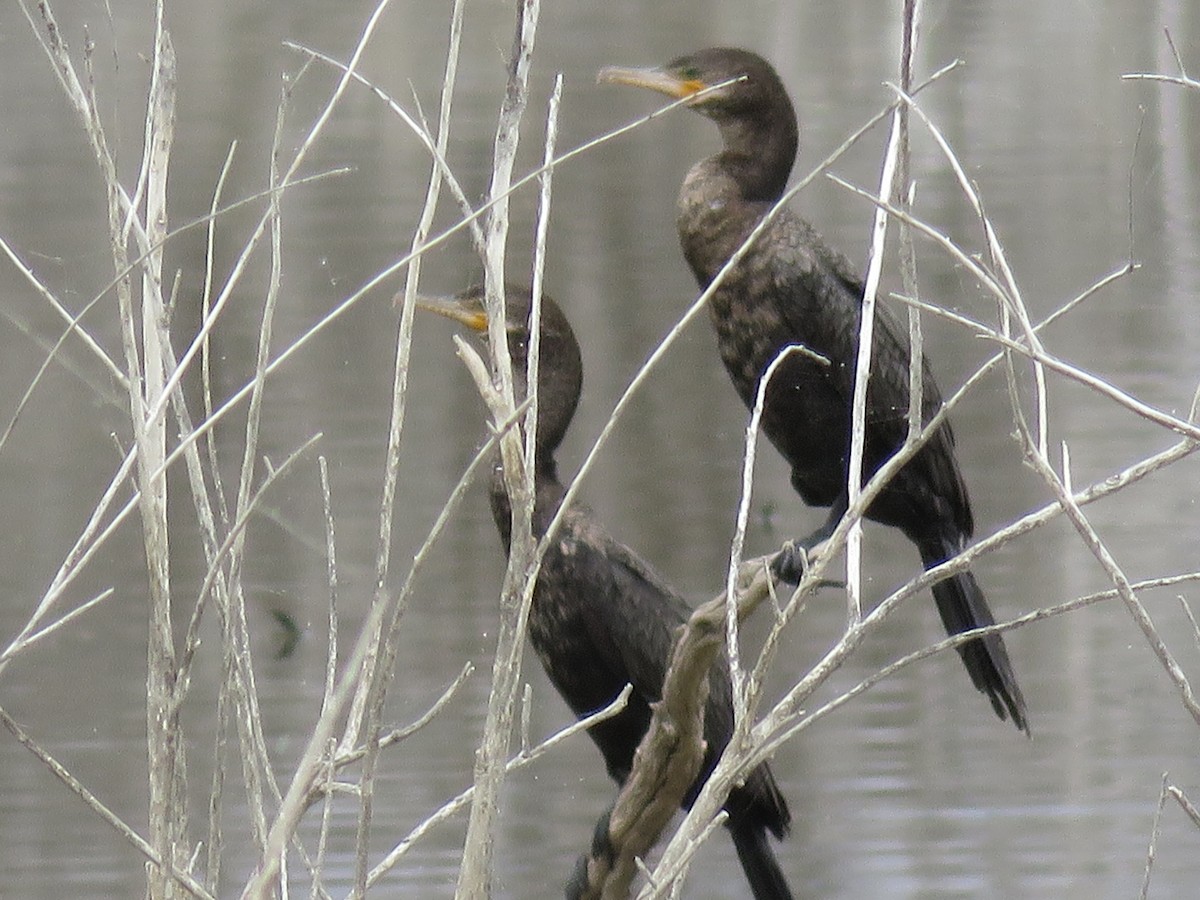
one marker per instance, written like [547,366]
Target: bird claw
[791,563]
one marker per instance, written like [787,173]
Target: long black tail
[963,607]
[767,881]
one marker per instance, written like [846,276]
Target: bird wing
[820,299]
[630,614]
[644,623]
[633,618]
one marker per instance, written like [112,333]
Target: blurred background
[912,790]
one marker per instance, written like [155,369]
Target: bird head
[739,91]
[725,82]
[560,369]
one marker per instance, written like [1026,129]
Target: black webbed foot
[790,563]
[602,850]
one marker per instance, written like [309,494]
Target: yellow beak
[654,79]
[466,312]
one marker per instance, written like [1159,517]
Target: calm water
[913,790]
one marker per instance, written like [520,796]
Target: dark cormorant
[790,288]
[601,618]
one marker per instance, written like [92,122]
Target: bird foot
[790,563]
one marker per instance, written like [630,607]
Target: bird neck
[548,494]
[759,153]
[714,217]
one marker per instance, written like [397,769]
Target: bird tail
[767,881]
[962,607]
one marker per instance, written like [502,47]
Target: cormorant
[790,288]
[601,618]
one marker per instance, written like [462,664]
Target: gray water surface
[912,790]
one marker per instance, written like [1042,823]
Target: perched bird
[791,288]
[600,617]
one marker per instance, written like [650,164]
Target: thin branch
[210,242]
[436,149]
[475,873]
[1098,549]
[749,456]
[71,321]
[183,879]
[862,371]
[235,534]
[22,643]
[805,718]
[517,762]
[1166,79]
[331,571]
[1153,846]
[311,764]
[1187,611]
[367,709]
[1185,804]
[667,761]
[343,759]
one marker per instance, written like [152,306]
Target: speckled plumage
[790,288]
[602,618]
[805,293]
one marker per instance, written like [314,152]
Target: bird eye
[691,73]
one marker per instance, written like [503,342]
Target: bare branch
[515,763]
[1185,804]
[475,873]
[311,763]
[164,864]
[380,660]
[667,761]
[862,371]
[1154,831]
